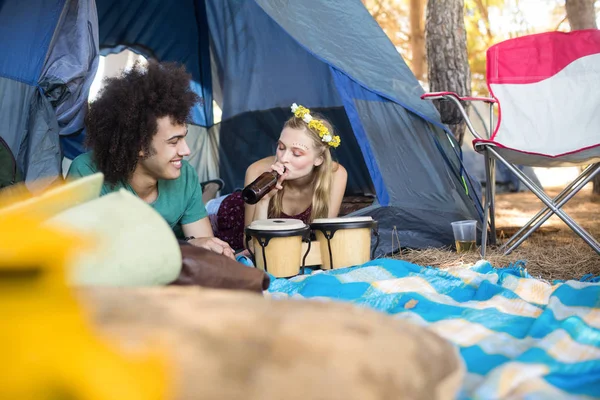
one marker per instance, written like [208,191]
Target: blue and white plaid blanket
[520,337]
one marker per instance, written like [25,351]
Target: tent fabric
[45,80]
[30,130]
[72,64]
[243,37]
[252,75]
[352,42]
[412,164]
[9,173]
[26,30]
[412,227]
[70,70]
[255,58]
[173,31]
[399,142]
[14,113]
[348,89]
[204,144]
[40,152]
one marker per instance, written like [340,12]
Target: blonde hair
[322,174]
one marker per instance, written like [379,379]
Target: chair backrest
[548,90]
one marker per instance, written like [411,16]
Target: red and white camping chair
[547,90]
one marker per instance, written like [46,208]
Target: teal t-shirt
[179,200]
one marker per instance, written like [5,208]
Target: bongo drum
[345,242]
[278,245]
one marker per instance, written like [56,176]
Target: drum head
[277,227]
[342,223]
[276,224]
[342,220]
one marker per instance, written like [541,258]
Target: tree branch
[560,23]
[486,18]
[379,5]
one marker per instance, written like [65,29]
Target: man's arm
[202,234]
[195,223]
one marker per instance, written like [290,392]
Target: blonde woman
[311,187]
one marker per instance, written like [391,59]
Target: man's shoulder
[83,165]
[187,180]
[188,174]
[177,193]
[84,157]
[187,168]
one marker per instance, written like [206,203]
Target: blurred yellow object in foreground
[17,200]
[47,347]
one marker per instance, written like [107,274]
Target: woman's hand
[279,168]
[260,210]
[283,173]
[213,244]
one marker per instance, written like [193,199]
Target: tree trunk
[448,65]
[417,37]
[581,15]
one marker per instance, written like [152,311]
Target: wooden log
[231,345]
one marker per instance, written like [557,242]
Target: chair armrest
[453,97]
[441,95]
[488,100]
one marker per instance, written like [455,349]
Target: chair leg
[484,230]
[492,201]
[546,211]
[581,183]
[489,184]
[548,201]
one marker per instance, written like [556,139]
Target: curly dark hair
[123,119]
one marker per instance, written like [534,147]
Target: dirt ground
[553,252]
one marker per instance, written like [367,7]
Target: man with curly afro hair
[136,131]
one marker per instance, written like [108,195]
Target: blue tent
[48,59]
[255,58]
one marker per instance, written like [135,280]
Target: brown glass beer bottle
[260,187]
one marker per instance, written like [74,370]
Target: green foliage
[480,36]
[486,21]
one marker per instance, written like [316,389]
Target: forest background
[486,22]
[444,42]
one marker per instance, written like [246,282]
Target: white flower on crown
[294,107]
[307,118]
[327,138]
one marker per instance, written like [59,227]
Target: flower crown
[316,125]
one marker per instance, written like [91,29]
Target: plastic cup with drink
[465,235]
